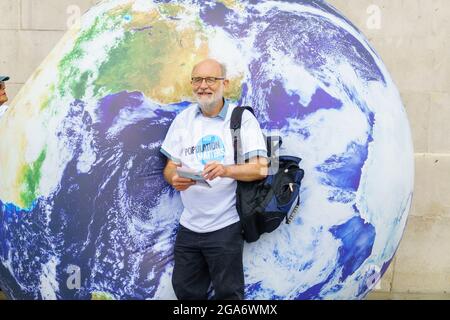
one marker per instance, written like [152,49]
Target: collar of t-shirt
[222,114]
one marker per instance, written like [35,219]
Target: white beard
[208,106]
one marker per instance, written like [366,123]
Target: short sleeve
[253,142]
[171,146]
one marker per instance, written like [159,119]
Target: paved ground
[407,296]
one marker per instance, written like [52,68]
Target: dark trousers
[202,258]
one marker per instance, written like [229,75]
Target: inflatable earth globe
[85,212]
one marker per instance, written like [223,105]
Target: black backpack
[263,205]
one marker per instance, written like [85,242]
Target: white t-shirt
[3,109]
[193,140]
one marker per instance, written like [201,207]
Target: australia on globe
[85,212]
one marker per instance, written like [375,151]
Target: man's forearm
[247,172]
[169,172]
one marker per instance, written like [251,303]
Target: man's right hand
[180,183]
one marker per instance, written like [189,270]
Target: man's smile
[204,94]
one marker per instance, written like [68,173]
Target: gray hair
[223,67]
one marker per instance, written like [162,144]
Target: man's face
[3,96]
[208,95]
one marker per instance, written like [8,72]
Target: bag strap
[235,127]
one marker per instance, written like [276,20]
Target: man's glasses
[197,81]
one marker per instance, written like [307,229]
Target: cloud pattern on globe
[82,196]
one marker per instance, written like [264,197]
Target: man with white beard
[209,243]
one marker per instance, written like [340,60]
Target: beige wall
[413,40]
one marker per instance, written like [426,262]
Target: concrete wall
[412,37]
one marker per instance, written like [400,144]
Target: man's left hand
[213,170]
